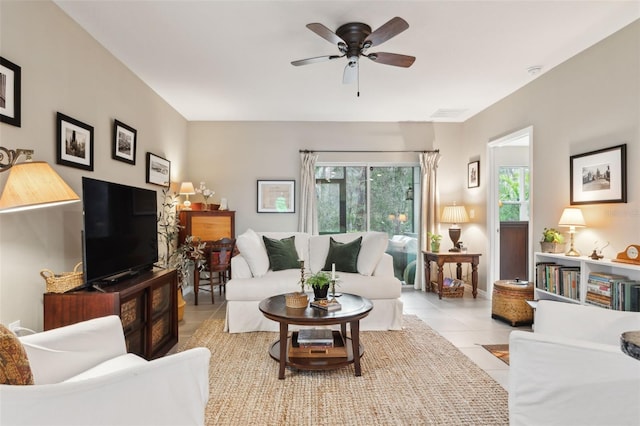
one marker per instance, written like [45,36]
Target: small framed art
[74,143]
[158,170]
[10,86]
[124,143]
[473,174]
[276,196]
[599,176]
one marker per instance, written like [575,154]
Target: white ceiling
[230,60]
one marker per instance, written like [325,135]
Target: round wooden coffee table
[354,308]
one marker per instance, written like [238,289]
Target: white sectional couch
[252,280]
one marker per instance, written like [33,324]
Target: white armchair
[571,370]
[83,376]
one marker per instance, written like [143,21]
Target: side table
[452,257]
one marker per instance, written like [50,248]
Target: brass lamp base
[572,251]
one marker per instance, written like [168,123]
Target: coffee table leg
[284,331]
[355,346]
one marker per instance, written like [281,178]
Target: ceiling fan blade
[315,60]
[325,33]
[350,74]
[391,29]
[394,59]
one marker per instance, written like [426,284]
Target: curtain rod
[355,151]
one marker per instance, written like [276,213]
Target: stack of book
[317,343]
[327,304]
[599,288]
[625,295]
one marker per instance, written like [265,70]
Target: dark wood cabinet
[514,250]
[208,225]
[146,305]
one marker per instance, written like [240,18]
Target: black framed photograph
[10,86]
[599,176]
[124,142]
[473,174]
[74,143]
[158,170]
[276,196]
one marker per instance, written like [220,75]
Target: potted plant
[319,282]
[552,241]
[435,241]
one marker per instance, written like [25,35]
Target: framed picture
[473,174]
[276,196]
[74,143]
[124,143]
[10,83]
[158,170]
[599,176]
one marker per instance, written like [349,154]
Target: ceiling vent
[448,113]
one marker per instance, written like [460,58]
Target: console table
[452,257]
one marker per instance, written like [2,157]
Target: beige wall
[66,70]
[591,101]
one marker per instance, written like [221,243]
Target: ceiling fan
[353,41]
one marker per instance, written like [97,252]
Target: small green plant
[320,279]
[551,235]
[435,238]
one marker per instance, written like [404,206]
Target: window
[371,198]
[513,193]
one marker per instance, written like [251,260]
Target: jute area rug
[409,377]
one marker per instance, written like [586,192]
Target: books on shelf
[558,279]
[613,291]
[327,304]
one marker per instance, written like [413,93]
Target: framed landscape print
[158,170]
[599,176]
[74,143]
[276,196]
[10,86]
[473,174]
[124,143]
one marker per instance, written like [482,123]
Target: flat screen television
[120,236]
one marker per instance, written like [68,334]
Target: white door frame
[493,217]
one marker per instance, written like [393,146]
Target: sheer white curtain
[428,210]
[308,217]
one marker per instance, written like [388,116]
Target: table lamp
[454,215]
[572,218]
[31,184]
[187,189]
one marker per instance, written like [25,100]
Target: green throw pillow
[344,255]
[282,253]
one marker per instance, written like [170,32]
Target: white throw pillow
[252,249]
[373,246]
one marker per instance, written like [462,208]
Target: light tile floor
[465,322]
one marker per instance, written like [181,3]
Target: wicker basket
[509,302]
[296,300]
[65,281]
[448,291]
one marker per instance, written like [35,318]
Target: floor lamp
[454,215]
[572,218]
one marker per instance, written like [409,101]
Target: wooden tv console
[146,305]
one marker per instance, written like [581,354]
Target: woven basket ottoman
[509,302]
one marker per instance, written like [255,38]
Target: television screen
[120,230]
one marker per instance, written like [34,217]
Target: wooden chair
[218,261]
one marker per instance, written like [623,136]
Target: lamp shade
[454,214]
[32,185]
[187,188]
[572,216]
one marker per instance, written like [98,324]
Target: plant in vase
[552,241]
[206,194]
[435,241]
[319,282]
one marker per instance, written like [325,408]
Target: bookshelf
[584,266]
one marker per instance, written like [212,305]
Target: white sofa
[571,370]
[83,376]
[252,280]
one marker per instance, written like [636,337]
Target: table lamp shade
[454,214]
[32,185]
[187,188]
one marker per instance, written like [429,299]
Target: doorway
[510,194]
